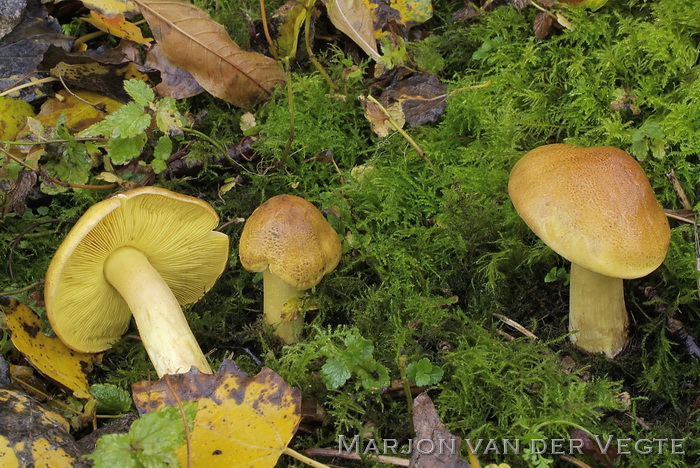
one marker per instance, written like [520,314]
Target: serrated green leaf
[168,119]
[139,91]
[334,373]
[121,150]
[151,441]
[359,349]
[111,399]
[161,153]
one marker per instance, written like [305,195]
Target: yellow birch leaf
[117,26]
[31,435]
[241,421]
[47,354]
[82,109]
[13,115]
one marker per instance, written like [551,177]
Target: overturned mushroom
[596,208]
[142,252]
[291,242]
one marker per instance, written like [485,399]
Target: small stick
[335,453]
[304,459]
[678,188]
[28,84]
[517,326]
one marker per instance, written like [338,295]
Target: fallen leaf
[401,12]
[542,24]
[354,19]
[113,7]
[31,435]
[421,97]
[48,355]
[13,116]
[117,26]
[429,428]
[193,41]
[18,190]
[379,122]
[241,421]
[11,13]
[176,82]
[81,109]
[290,18]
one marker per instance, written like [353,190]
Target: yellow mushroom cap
[173,231]
[593,206]
[288,234]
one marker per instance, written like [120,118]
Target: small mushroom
[142,252]
[596,208]
[291,242]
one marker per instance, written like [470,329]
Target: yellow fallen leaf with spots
[117,26]
[13,115]
[31,435]
[241,421]
[47,354]
[81,109]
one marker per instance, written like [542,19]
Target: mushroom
[291,242]
[596,208]
[142,252]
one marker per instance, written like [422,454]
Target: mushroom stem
[597,312]
[277,293]
[168,340]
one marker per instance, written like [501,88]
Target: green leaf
[111,399]
[168,118]
[335,373]
[151,442]
[161,153]
[139,91]
[359,349]
[424,373]
[121,150]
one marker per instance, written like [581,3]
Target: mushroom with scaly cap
[596,208]
[291,242]
[142,252]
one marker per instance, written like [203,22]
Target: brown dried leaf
[194,42]
[421,96]
[542,25]
[378,120]
[354,19]
[429,428]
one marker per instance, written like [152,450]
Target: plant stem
[406,390]
[28,85]
[270,42]
[21,290]
[304,459]
[307,41]
[290,104]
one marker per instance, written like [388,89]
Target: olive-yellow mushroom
[291,242]
[596,208]
[142,252]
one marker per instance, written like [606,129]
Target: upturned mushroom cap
[173,231]
[593,206]
[288,234]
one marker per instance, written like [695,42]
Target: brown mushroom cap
[593,206]
[288,234]
[173,231]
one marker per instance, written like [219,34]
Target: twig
[100,109]
[575,461]
[23,289]
[335,453]
[20,236]
[270,42]
[678,188]
[29,84]
[517,326]
[56,181]
[671,176]
[403,133]
[673,323]
[166,379]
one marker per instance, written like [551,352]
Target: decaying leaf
[31,435]
[241,421]
[353,18]
[176,82]
[11,12]
[81,109]
[17,190]
[112,7]
[421,97]
[117,26]
[48,355]
[542,25]
[401,12]
[13,115]
[379,121]
[290,17]
[429,428]
[193,41]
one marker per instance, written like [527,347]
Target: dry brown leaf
[194,42]
[430,432]
[354,19]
